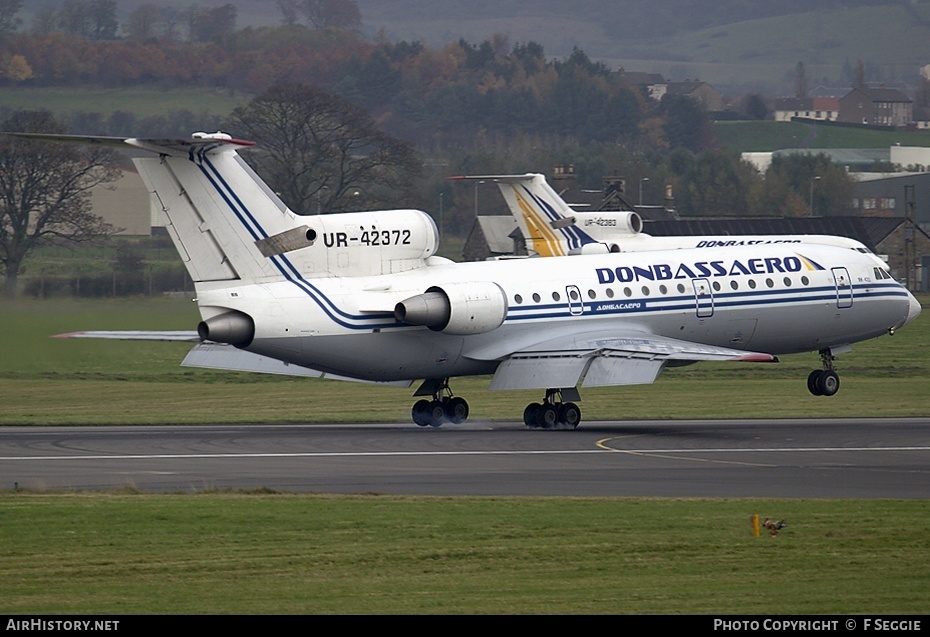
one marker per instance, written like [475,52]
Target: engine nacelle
[610,223]
[456,308]
[368,243]
[234,328]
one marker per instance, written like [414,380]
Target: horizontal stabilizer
[136,335]
[216,356]
[227,357]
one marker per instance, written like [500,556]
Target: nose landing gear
[824,382]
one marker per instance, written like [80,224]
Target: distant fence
[144,283]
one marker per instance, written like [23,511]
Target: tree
[800,81]
[8,20]
[321,153]
[45,191]
[338,14]
[799,185]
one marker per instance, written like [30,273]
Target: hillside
[736,45]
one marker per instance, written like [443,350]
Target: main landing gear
[824,382]
[556,410]
[443,407]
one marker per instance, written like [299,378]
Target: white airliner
[362,296]
[552,228]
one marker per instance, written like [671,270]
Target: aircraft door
[703,298]
[575,302]
[844,291]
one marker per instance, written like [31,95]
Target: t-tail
[230,228]
[550,226]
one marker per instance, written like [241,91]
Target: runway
[835,458]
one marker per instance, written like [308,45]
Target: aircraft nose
[913,310]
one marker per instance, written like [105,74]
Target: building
[876,107]
[825,109]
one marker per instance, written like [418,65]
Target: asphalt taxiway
[832,458]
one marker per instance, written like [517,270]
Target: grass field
[263,553]
[278,553]
[48,381]
[743,136]
[142,101]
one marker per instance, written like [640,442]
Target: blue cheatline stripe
[280,262]
[653,305]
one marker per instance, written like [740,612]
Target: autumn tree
[799,185]
[321,153]
[45,191]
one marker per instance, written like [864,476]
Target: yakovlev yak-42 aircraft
[362,296]
[553,228]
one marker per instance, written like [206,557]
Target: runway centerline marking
[602,449]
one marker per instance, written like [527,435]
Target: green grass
[48,381]
[276,553]
[743,136]
[142,101]
[235,553]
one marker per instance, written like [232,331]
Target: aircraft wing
[136,335]
[599,360]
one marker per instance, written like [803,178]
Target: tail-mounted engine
[456,308]
[607,229]
[356,243]
[233,327]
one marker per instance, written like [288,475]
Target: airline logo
[705,269]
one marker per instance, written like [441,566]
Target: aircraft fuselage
[751,299]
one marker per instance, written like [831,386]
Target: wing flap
[541,370]
[600,360]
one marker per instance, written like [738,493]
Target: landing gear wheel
[437,413]
[457,410]
[813,382]
[421,413]
[548,416]
[442,408]
[829,383]
[531,415]
[570,415]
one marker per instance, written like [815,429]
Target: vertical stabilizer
[216,211]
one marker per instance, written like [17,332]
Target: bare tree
[800,81]
[45,191]
[321,153]
[8,20]
[339,14]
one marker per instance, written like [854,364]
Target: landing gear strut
[553,412]
[443,407]
[824,382]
